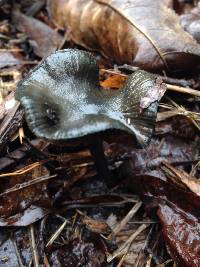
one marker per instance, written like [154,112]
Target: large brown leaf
[145,33]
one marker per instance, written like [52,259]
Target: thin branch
[184,90]
[126,219]
[18,254]
[56,234]
[27,184]
[126,246]
[34,247]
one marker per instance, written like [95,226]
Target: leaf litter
[60,212]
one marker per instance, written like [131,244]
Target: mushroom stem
[97,151]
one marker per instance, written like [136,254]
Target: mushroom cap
[63,100]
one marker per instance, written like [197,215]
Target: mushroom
[64,102]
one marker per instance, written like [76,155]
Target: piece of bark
[145,33]
[11,118]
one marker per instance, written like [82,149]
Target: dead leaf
[8,59]
[44,39]
[114,82]
[182,233]
[175,125]
[178,210]
[88,253]
[144,33]
[154,94]
[191,22]
[15,198]
[96,226]
[27,217]
[181,176]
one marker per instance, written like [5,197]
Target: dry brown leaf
[44,39]
[96,226]
[145,33]
[187,180]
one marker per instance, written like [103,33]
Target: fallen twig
[126,246]
[26,184]
[34,247]
[126,219]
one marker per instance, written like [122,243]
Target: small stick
[126,246]
[56,234]
[18,254]
[27,184]
[34,248]
[184,90]
[126,219]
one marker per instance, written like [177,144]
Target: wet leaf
[182,233]
[170,149]
[148,33]
[178,210]
[155,186]
[27,217]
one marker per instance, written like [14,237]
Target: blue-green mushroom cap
[63,100]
